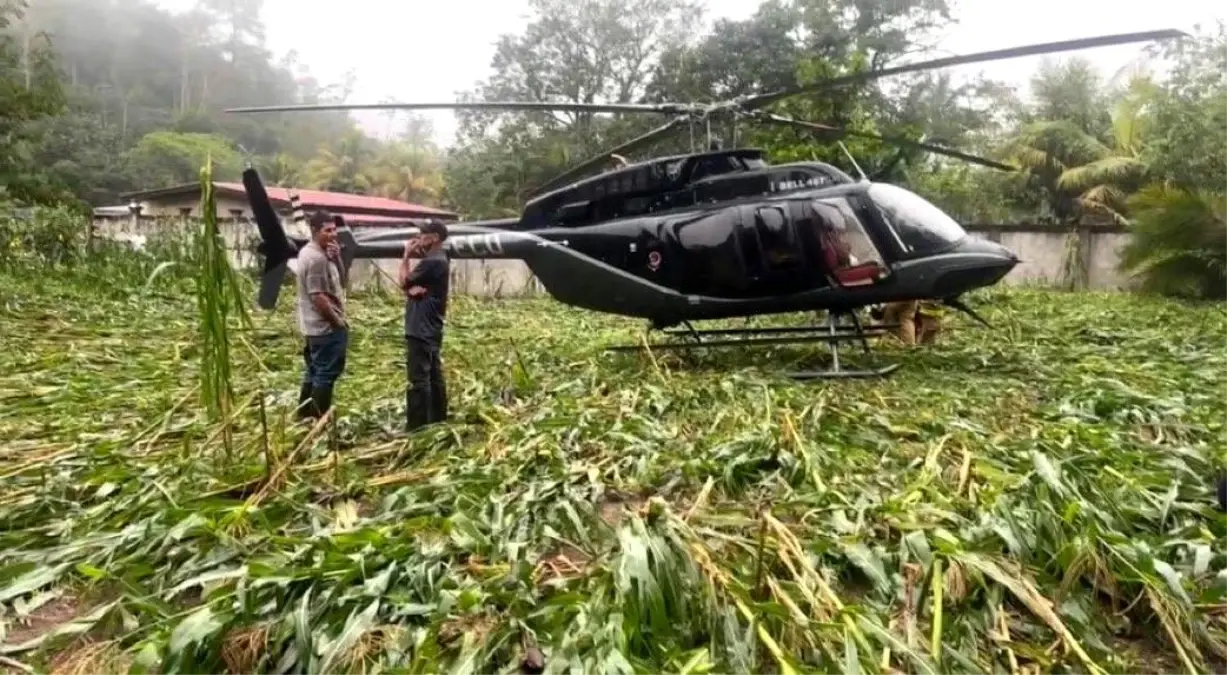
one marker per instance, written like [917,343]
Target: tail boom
[480,240]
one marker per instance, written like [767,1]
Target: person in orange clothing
[920,322]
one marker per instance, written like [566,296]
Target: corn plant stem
[935,640]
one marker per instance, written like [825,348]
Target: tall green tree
[344,166]
[30,91]
[129,68]
[1071,90]
[1104,184]
[1188,116]
[166,158]
[1067,126]
[588,51]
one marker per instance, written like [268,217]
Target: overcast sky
[420,50]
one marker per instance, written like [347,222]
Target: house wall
[170,207]
[228,206]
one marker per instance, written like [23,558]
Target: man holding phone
[426,290]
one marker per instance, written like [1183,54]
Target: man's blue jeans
[324,356]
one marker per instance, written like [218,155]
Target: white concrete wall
[1043,256]
[1047,254]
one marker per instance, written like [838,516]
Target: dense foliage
[125,95]
[1031,499]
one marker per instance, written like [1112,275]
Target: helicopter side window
[714,166]
[781,249]
[713,263]
[847,250]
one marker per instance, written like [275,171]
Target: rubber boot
[438,401]
[438,408]
[417,409]
[322,397]
[305,406]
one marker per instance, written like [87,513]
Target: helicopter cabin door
[848,252]
[771,250]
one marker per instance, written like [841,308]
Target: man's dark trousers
[324,356]
[426,397]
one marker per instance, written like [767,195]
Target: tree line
[121,95]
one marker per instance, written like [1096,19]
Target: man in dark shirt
[425,288]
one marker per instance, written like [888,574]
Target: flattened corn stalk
[1043,480]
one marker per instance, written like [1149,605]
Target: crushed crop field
[1035,498]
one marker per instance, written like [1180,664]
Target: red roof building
[184,200]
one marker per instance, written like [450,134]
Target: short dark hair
[434,227]
[318,220]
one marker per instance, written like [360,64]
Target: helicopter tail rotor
[274,244]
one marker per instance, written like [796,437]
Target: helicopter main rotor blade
[761,100]
[524,106]
[894,140]
[596,160]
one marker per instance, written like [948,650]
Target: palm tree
[408,172]
[1178,245]
[1046,151]
[1079,173]
[1106,183]
[342,168]
[280,169]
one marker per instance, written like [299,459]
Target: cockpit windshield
[921,226]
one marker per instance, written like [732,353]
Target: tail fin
[274,244]
[349,248]
[270,285]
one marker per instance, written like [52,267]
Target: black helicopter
[716,234]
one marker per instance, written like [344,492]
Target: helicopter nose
[989,249]
[980,263]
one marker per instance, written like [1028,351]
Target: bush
[1178,245]
[40,238]
[166,262]
[49,235]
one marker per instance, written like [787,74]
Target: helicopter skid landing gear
[836,372]
[832,334]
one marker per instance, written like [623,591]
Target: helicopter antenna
[864,178]
[247,156]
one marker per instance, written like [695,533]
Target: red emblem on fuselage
[654,260]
